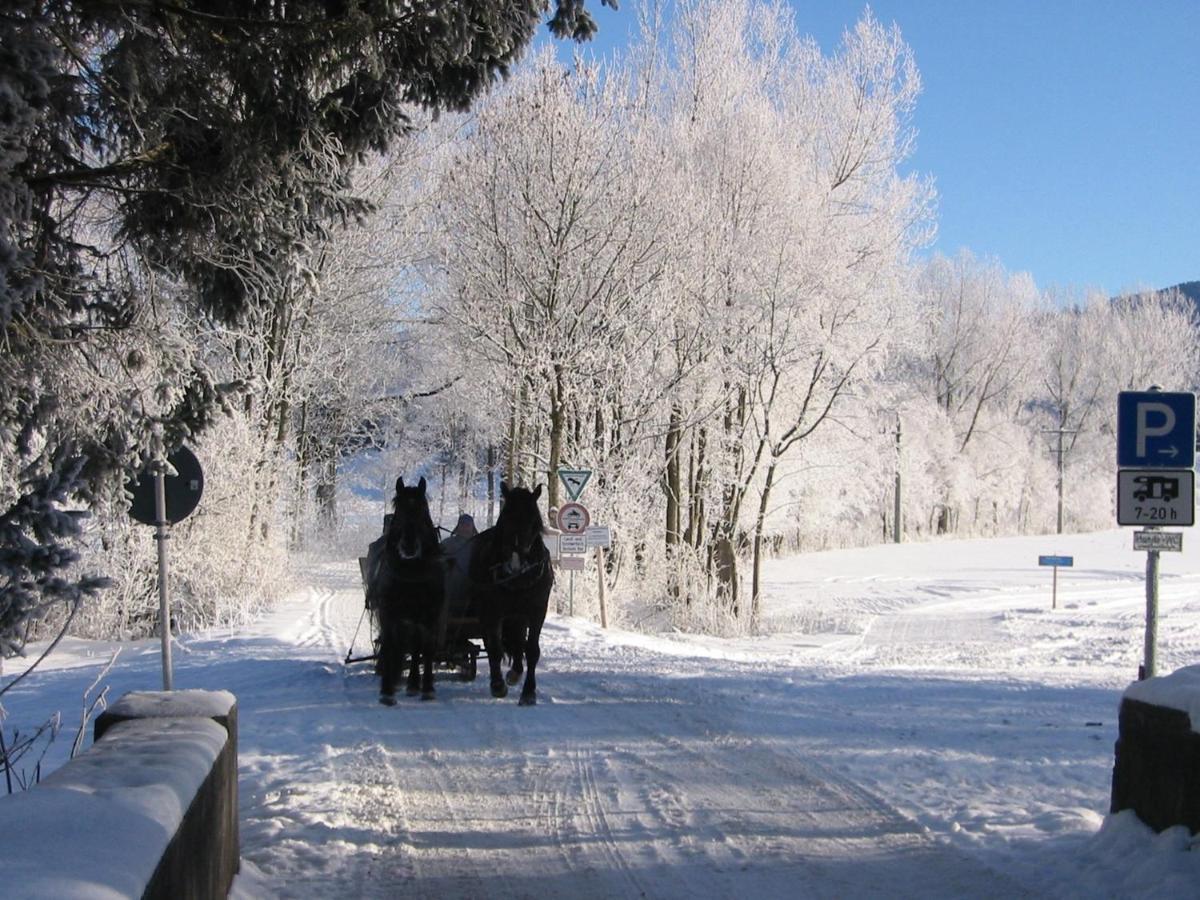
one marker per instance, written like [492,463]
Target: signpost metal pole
[1156,457]
[1151,613]
[1054,590]
[158,500]
[164,601]
[571,596]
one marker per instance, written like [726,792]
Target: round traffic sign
[573,518]
[182,491]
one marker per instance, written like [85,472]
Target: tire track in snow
[598,825]
[639,775]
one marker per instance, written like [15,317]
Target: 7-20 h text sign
[1156,497]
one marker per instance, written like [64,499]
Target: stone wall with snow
[1156,772]
[149,810]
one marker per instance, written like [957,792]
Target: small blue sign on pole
[1156,429]
[1055,561]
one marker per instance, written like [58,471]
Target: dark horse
[405,578]
[510,577]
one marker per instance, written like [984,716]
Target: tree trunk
[696,502]
[326,490]
[557,422]
[759,525]
[515,435]
[302,465]
[672,480]
[491,485]
[725,559]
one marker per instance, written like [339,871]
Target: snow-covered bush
[222,570]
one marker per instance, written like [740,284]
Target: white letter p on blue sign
[1146,430]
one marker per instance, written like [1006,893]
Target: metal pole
[1151,612]
[1054,590]
[164,601]
[1060,480]
[896,512]
[571,596]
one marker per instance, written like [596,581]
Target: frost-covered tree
[979,360]
[1096,347]
[802,231]
[552,258]
[155,152]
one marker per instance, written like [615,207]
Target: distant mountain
[1190,289]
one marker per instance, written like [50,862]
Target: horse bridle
[426,549]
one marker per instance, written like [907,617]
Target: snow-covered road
[913,723]
[638,775]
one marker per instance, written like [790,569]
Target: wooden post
[600,575]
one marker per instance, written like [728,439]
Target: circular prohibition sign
[573,518]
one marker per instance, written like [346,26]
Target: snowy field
[915,721]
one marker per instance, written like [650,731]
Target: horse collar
[535,568]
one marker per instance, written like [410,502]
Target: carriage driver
[465,527]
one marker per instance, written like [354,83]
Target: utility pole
[896,526]
[1060,431]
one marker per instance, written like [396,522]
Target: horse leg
[386,666]
[427,653]
[413,644]
[533,652]
[514,648]
[494,646]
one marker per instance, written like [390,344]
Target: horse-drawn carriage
[429,601]
[460,643]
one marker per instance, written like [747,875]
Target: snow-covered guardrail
[149,810]
[1157,768]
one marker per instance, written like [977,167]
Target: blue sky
[1063,135]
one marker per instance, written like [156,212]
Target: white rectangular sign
[572,544]
[551,542]
[1156,497]
[572,562]
[1158,540]
[598,536]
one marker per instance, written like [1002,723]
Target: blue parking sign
[1156,430]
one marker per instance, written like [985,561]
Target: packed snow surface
[908,721]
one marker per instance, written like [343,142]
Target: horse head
[519,528]
[411,534]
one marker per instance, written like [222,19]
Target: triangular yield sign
[574,480]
